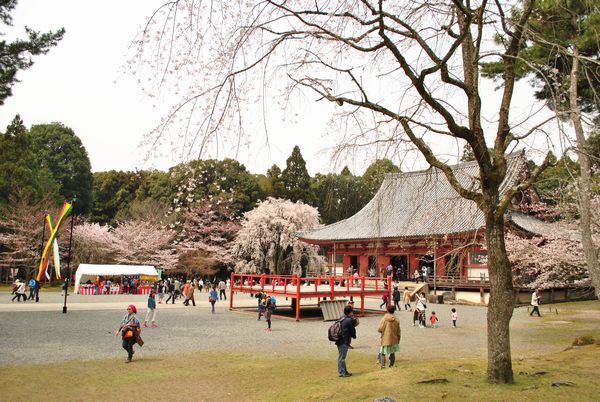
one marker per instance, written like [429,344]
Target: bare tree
[401,72]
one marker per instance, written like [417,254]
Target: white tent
[91,271]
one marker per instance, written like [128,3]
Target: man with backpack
[269,307]
[346,333]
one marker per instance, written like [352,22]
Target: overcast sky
[83,84]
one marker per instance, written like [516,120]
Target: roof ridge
[457,166]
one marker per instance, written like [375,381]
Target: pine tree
[277,186]
[296,179]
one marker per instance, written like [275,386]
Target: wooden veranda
[319,287]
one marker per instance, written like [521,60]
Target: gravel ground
[37,333]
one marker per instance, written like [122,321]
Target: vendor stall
[89,272]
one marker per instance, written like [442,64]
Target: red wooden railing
[292,286]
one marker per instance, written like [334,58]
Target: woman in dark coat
[130,327]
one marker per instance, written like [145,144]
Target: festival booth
[89,272]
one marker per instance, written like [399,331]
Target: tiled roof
[417,204]
[538,227]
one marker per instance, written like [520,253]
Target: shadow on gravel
[306,312]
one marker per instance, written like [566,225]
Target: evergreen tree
[558,28]
[296,179]
[339,195]
[59,150]
[277,186]
[375,173]
[113,191]
[20,175]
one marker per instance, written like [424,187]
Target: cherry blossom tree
[131,242]
[544,262]
[141,242]
[555,257]
[267,241]
[204,239]
[93,244]
[21,227]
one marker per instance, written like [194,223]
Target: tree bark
[501,304]
[583,196]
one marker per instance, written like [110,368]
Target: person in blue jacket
[212,298]
[151,314]
[32,285]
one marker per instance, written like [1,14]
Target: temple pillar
[363,265]
[346,262]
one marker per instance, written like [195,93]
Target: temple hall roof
[417,204]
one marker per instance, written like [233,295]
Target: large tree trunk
[591,254]
[501,304]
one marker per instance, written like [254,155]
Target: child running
[433,319]
[384,299]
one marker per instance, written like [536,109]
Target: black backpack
[334,333]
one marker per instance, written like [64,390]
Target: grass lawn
[560,372]
[253,376]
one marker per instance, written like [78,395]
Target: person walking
[454,317]
[151,314]
[420,310]
[32,284]
[406,299]
[535,302]
[130,326]
[389,328]
[222,295]
[416,275]
[269,307]
[421,307]
[348,333]
[160,288]
[171,288]
[190,296]
[396,298]
[384,300]
[20,291]
[262,302]
[212,298]
[64,287]
[185,290]
[433,319]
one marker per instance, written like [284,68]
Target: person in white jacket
[20,292]
[535,302]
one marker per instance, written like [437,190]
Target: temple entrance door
[400,264]
[354,263]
